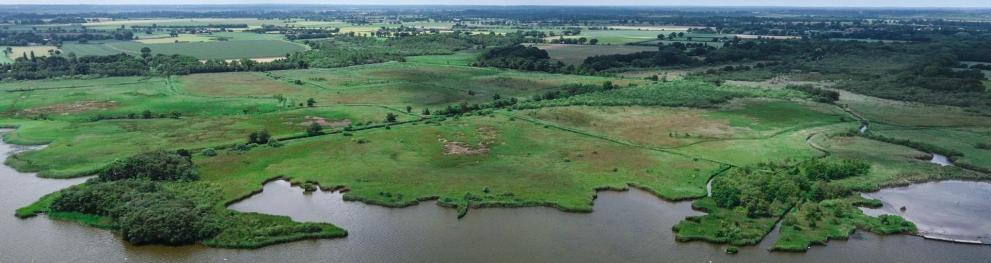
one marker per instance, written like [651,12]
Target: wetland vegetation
[179,119]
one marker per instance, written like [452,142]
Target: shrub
[209,152]
[161,218]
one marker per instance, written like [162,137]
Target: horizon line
[512,5]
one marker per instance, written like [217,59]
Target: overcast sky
[804,3]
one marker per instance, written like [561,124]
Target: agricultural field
[18,51]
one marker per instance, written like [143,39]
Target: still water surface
[950,209]
[626,226]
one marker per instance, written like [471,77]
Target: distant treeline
[127,65]
[191,26]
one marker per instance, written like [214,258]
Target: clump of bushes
[820,95]
[156,166]
[144,211]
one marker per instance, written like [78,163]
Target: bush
[158,166]
[160,218]
[100,198]
[209,152]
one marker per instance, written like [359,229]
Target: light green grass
[523,165]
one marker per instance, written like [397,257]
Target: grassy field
[476,162]
[422,84]
[666,137]
[674,127]
[965,140]
[202,50]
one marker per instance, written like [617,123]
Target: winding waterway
[626,226]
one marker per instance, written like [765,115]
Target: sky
[800,3]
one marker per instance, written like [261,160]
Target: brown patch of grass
[488,135]
[236,84]
[75,107]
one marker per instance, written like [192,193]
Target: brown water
[629,226]
[949,209]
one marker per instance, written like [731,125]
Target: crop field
[615,37]
[576,54]
[181,38]
[21,51]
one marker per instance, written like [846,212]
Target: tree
[314,129]
[253,137]
[426,111]
[409,109]
[607,85]
[390,117]
[145,52]
[593,41]
[311,102]
[263,137]
[146,114]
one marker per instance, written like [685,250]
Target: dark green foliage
[819,170]
[767,189]
[157,165]
[390,117]
[519,57]
[259,137]
[144,211]
[127,65]
[664,57]
[819,94]
[101,199]
[163,218]
[314,129]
